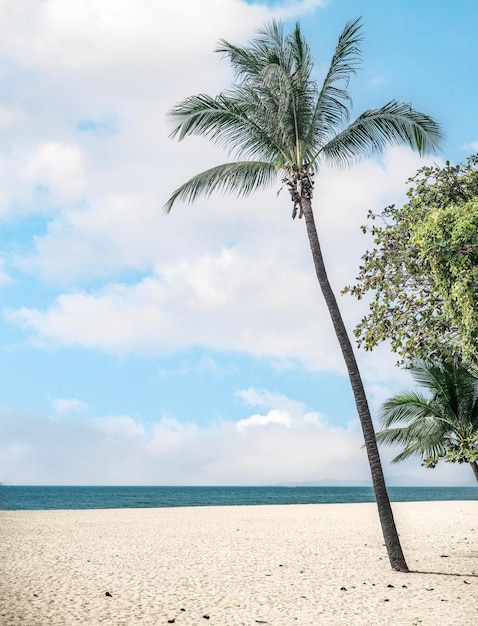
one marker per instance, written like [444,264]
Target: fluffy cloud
[87,161]
[66,406]
[109,64]
[292,415]
[96,162]
[9,117]
[225,302]
[286,443]
[259,294]
[58,170]
[273,417]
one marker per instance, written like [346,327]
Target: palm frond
[243,61]
[454,387]
[415,449]
[274,113]
[435,376]
[424,436]
[439,379]
[394,124]
[304,95]
[333,103]
[426,425]
[239,178]
[404,408]
[280,98]
[249,62]
[289,101]
[278,70]
[236,120]
[474,414]
[300,51]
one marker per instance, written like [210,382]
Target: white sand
[277,565]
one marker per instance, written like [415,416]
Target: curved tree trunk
[474,467]
[392,541]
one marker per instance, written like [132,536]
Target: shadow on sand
[416,571]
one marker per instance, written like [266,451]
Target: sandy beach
[277,565]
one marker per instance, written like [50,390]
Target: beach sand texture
[277,565]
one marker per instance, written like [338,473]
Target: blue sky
[195,348]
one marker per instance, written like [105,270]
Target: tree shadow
[416,571]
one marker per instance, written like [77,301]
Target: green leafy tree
[440,425]
[422,273]
[447,246]
[279,124]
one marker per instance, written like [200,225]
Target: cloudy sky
[194,348]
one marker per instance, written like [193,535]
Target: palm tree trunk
[474,467]
[392,541]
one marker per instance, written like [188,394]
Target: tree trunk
[474,467]
[392,541]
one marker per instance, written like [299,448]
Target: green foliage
[422,274]
[441,425]
[276,121]
[456,452]
[447,244]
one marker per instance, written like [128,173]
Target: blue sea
[33,498]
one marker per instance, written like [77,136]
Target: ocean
[47,498]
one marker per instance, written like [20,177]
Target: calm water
[29,498]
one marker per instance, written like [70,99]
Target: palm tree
[277,122]
[443,425]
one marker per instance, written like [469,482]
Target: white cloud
[97,61]
[9,117]
[226,274]
[118,232]
[225,302]
[117,449]
[258,295]
[43,178]
[105,60]
[57,168]
[66,406]
[273,417]
[90,55]
[100,35]
[291,412]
